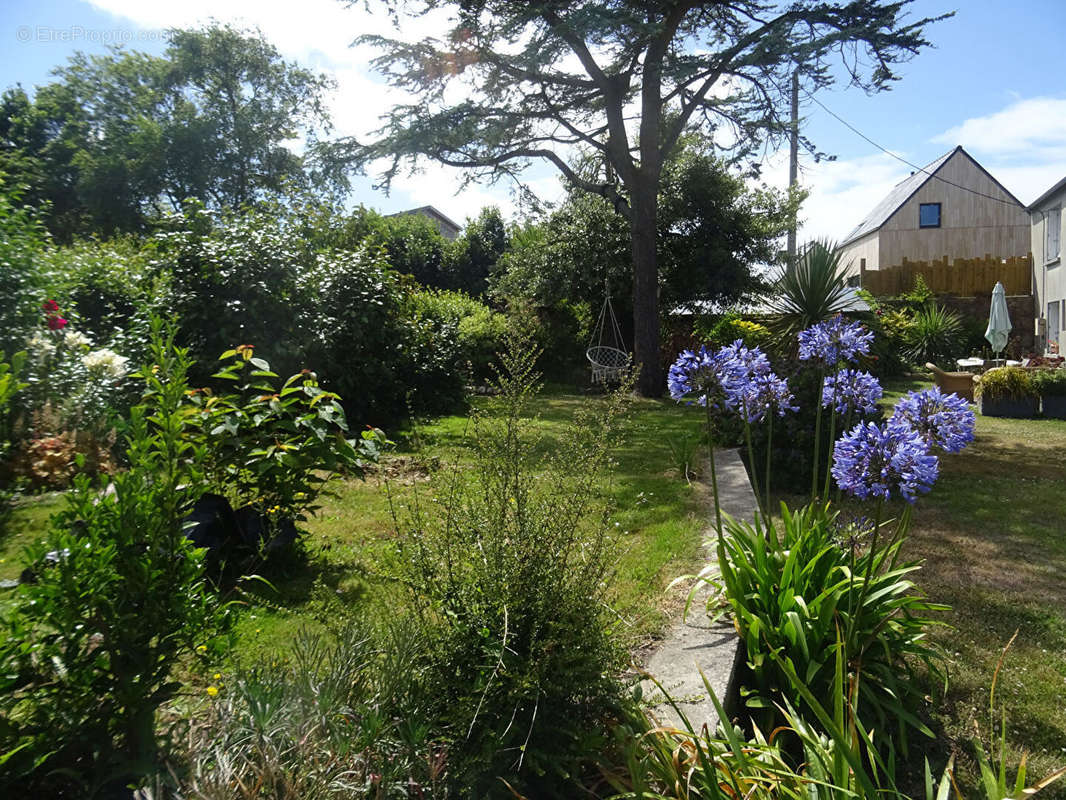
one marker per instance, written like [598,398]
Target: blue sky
[993,83]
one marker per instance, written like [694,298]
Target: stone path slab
[695,645]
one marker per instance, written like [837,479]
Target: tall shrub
[510,572]
[94,639]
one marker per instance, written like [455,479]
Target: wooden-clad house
[951,208]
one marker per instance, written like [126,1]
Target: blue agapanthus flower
[877,460]
[764,394]
[740,367]
[835,340]
[943,420]
[696,375]
[851,390]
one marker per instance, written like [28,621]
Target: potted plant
[1050,384]
[1007,392]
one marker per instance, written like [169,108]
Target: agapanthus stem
[901,530]
[769,450]
[870,556]
[714,474]
[829,451]
[817,434]
[751,459]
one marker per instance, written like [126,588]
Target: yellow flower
[212,691]
[202,648]
[217,675]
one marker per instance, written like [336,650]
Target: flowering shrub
[806,592]
[91,643]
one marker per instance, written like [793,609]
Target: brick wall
[1022,312]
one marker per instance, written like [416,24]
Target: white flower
[41,346]
[76,339]
[105,362]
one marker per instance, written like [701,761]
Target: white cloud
[1032,130]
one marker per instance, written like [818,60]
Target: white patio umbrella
[998,320]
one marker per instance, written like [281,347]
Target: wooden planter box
[1021,408]
[1053,405]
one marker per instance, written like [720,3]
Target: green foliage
[92,644]
[711,229]
[1012,383]
[110,290]
[1045,381]
[810,290]
[726,329]
[477,330]
[510,572]
[22,238]
[116,140]
[920,296]
[794,590]
[341,715]
[934,334]
[272,445]
[473,257]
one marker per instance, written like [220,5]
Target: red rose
[50,305]
[56,323]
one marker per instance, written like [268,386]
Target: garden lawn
[351,545]
[992,534]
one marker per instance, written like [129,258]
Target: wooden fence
[965,277]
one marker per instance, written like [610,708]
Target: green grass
[991,534]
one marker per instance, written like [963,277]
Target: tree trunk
[643,225]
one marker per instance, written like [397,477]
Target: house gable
[971,215]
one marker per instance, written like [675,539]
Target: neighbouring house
[952,208]
[448,228]
[1049,283]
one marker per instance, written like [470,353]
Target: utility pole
[793,161]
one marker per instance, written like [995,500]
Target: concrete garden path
[693,644]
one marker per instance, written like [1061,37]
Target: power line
[856,131]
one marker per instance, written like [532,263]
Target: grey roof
[897,197]
[1046,195]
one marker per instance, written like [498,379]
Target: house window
[1052,228]
[929,215]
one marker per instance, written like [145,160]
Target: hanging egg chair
[607,354]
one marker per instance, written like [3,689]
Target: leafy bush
[935,334]
[93,641]
[112,290]
[792,591]
[726,329]
[275,446]
[510,572]
[1012,383]
[478,330]
[22,239]
[1049,381]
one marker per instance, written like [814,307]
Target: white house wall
[1049,275]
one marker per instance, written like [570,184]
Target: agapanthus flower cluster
[851,390]
[835,340]
[736,376]
[762,394]
[876,460]
[943,420]
[695,376]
